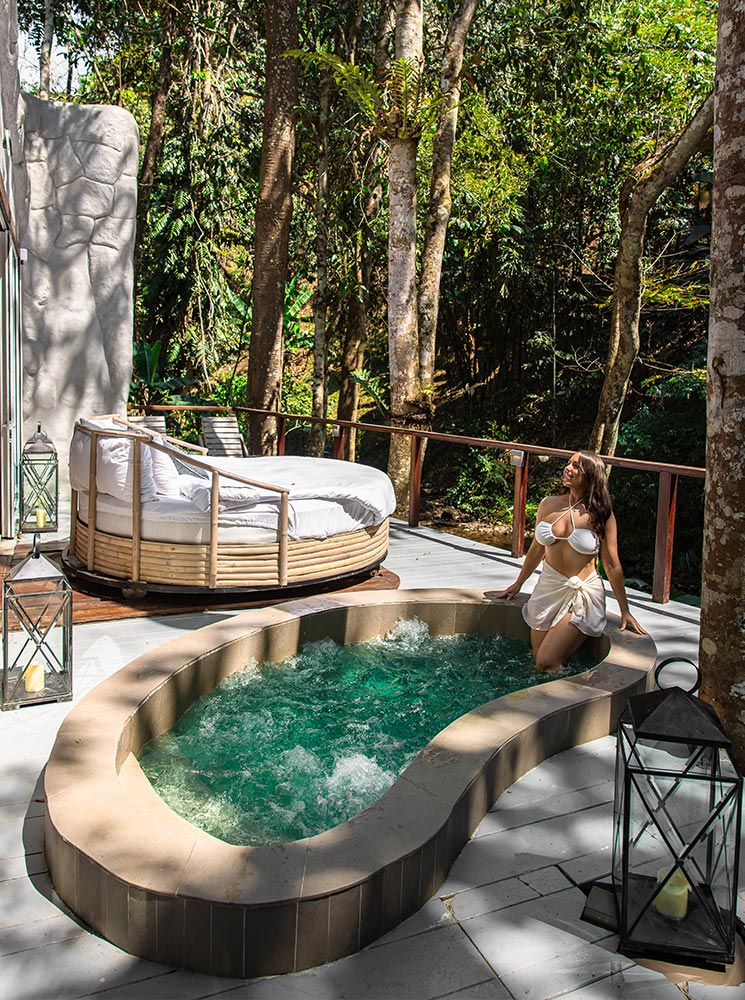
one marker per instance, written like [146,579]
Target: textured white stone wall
[81,164]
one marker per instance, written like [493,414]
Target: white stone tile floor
[505,925]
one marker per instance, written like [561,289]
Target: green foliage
[483,487]
[396,106]
[375,387]
[149,383]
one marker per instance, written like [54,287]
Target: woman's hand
[512,591]
[628,621]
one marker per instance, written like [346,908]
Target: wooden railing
[520,453]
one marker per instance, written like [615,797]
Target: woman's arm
[614,572]
[532,561]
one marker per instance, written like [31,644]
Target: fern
[400,108]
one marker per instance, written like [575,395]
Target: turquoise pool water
[288,750]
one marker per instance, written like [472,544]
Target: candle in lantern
[33,677]
[41,517]
[672,899]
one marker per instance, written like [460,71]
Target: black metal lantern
[677,816]
[39,483]
[37,633]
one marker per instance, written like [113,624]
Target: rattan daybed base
[137,564]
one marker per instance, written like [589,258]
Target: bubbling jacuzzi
[155,885]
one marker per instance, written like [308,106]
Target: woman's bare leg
[552,648]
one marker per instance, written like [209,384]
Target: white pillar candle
[41,517]
[672,900]
[33,677]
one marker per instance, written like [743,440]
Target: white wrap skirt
[556,594]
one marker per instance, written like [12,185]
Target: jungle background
[559,102]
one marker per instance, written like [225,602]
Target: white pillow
[165,473]
[114,464]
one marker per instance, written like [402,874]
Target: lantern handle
[678,659]
[36,546]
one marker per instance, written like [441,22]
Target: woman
[568,602]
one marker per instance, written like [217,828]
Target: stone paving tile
[492,989]
[20,867]
[546,880]
[77,967]
[634,983]
[567,971]
[563,911]
[590,866]
[489,898]
[169,985]
[509,814]
[21,836]
[433,964]
[510,941]
[17,784]
[551,841]
[433,914]
[39,933]
[21,901]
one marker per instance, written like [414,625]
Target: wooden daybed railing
[139,435]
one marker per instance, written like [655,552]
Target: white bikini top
[582,540]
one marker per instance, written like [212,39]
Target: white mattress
[355,497]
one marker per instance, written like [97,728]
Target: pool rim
[197,902]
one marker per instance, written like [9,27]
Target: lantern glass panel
[39,484]
[36,642]
[675,850]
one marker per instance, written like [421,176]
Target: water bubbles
[283,751]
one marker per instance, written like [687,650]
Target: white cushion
[165,473]
[114,463]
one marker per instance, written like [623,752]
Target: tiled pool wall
[156,886]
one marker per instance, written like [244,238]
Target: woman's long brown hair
[596,494]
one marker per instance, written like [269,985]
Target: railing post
[281,425]
[415,480]
[663,544]
[340,442]
[518,506]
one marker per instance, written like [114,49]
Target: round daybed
[152,513]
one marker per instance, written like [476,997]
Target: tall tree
[45,54]
[639,193]
[154,142]
[403,339]
[273,217]
[413,306]
[722,653]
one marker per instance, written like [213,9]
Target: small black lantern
[677,816]
[39,483]
[37,633]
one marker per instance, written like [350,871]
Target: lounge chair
[222,436]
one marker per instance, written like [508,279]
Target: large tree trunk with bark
[440,201]
[403,340]
[317,438]
[722,652]
[157,123]
[354,332]
[638,195]
[403,337]
[273,218]
[45,53]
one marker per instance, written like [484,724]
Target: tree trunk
[45,54]
[354,345]
[403,337]
[273,218]
[722,652]
[639,193]
[318,407]
[157,122]
[440,202]
[403,340]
